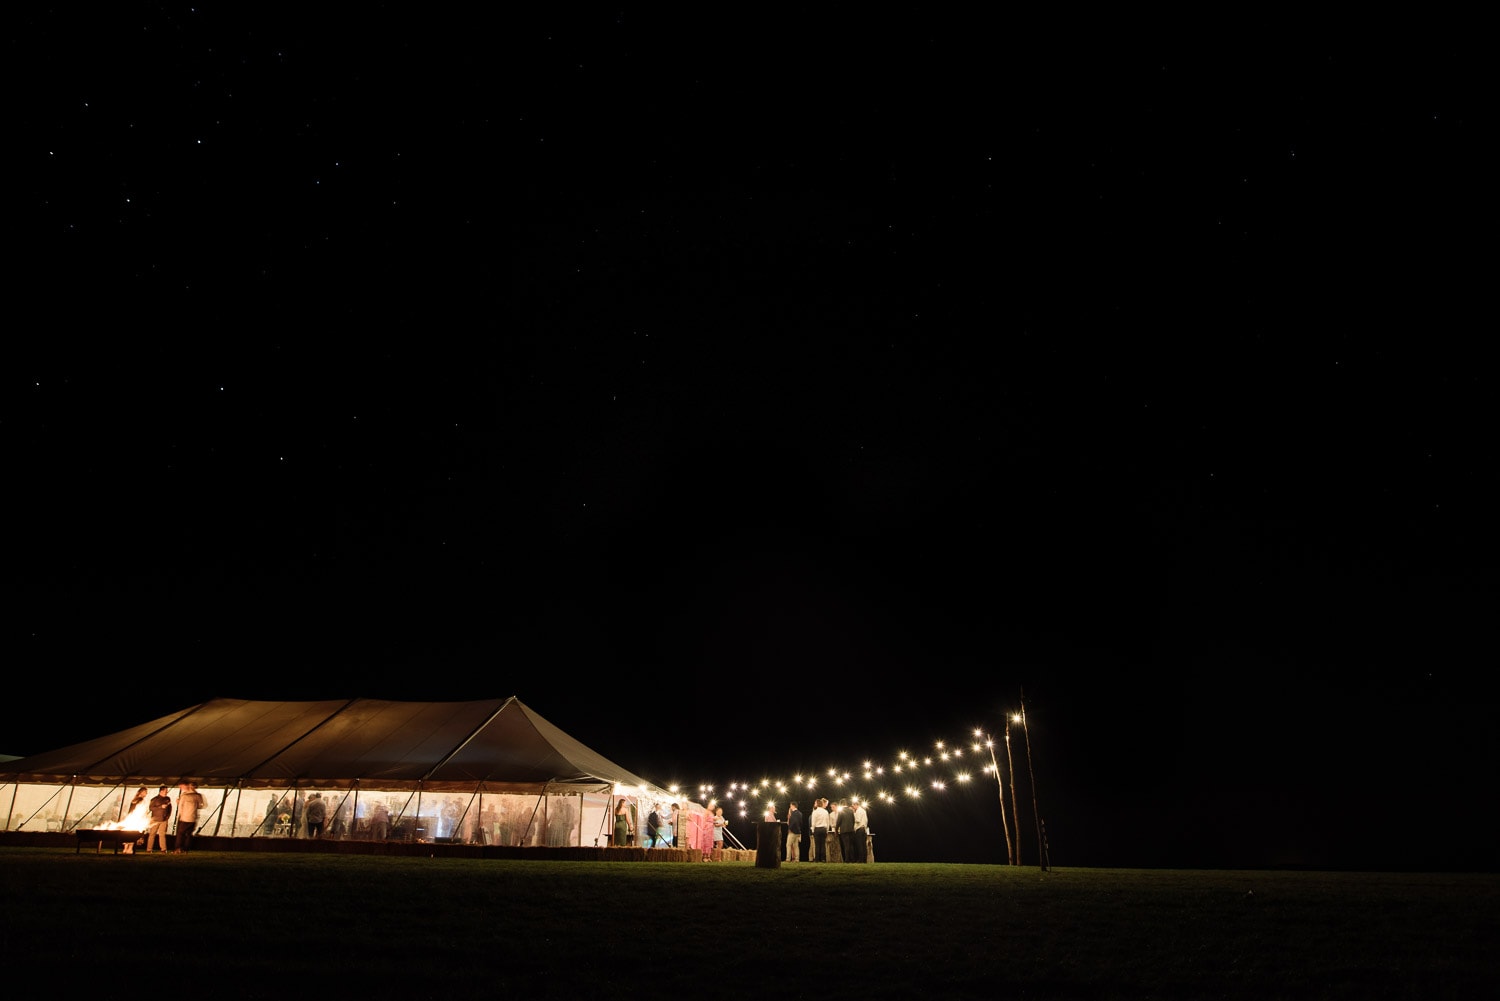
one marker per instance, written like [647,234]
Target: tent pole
[269,819]
[540,800]
[101,800]
[402,813]
[335,814]
[218,812]
[1041,841]
[1015,810]
[467,807]
[43,806]
[607,822]
[72,784]
[219,819]
[239,789]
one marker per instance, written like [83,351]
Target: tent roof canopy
[498,745]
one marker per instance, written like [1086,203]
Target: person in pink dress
[703,834]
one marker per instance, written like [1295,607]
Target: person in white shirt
[861,822]
[189,802]
[818,851]
[720,822]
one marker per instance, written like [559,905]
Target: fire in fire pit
[122,835]
[138,820]
[119,839]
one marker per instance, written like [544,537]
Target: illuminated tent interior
[489,772]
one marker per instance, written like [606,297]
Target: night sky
[750,398]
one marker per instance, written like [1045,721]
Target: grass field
[236,925]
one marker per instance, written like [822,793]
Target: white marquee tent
[482,772]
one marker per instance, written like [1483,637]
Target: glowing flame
[136,820]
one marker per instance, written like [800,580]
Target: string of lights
[912,776]
[904,777]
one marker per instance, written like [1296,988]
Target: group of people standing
[159,814]
[852,826]
[686,829]
[678,829]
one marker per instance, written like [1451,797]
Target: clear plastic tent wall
[550,819]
